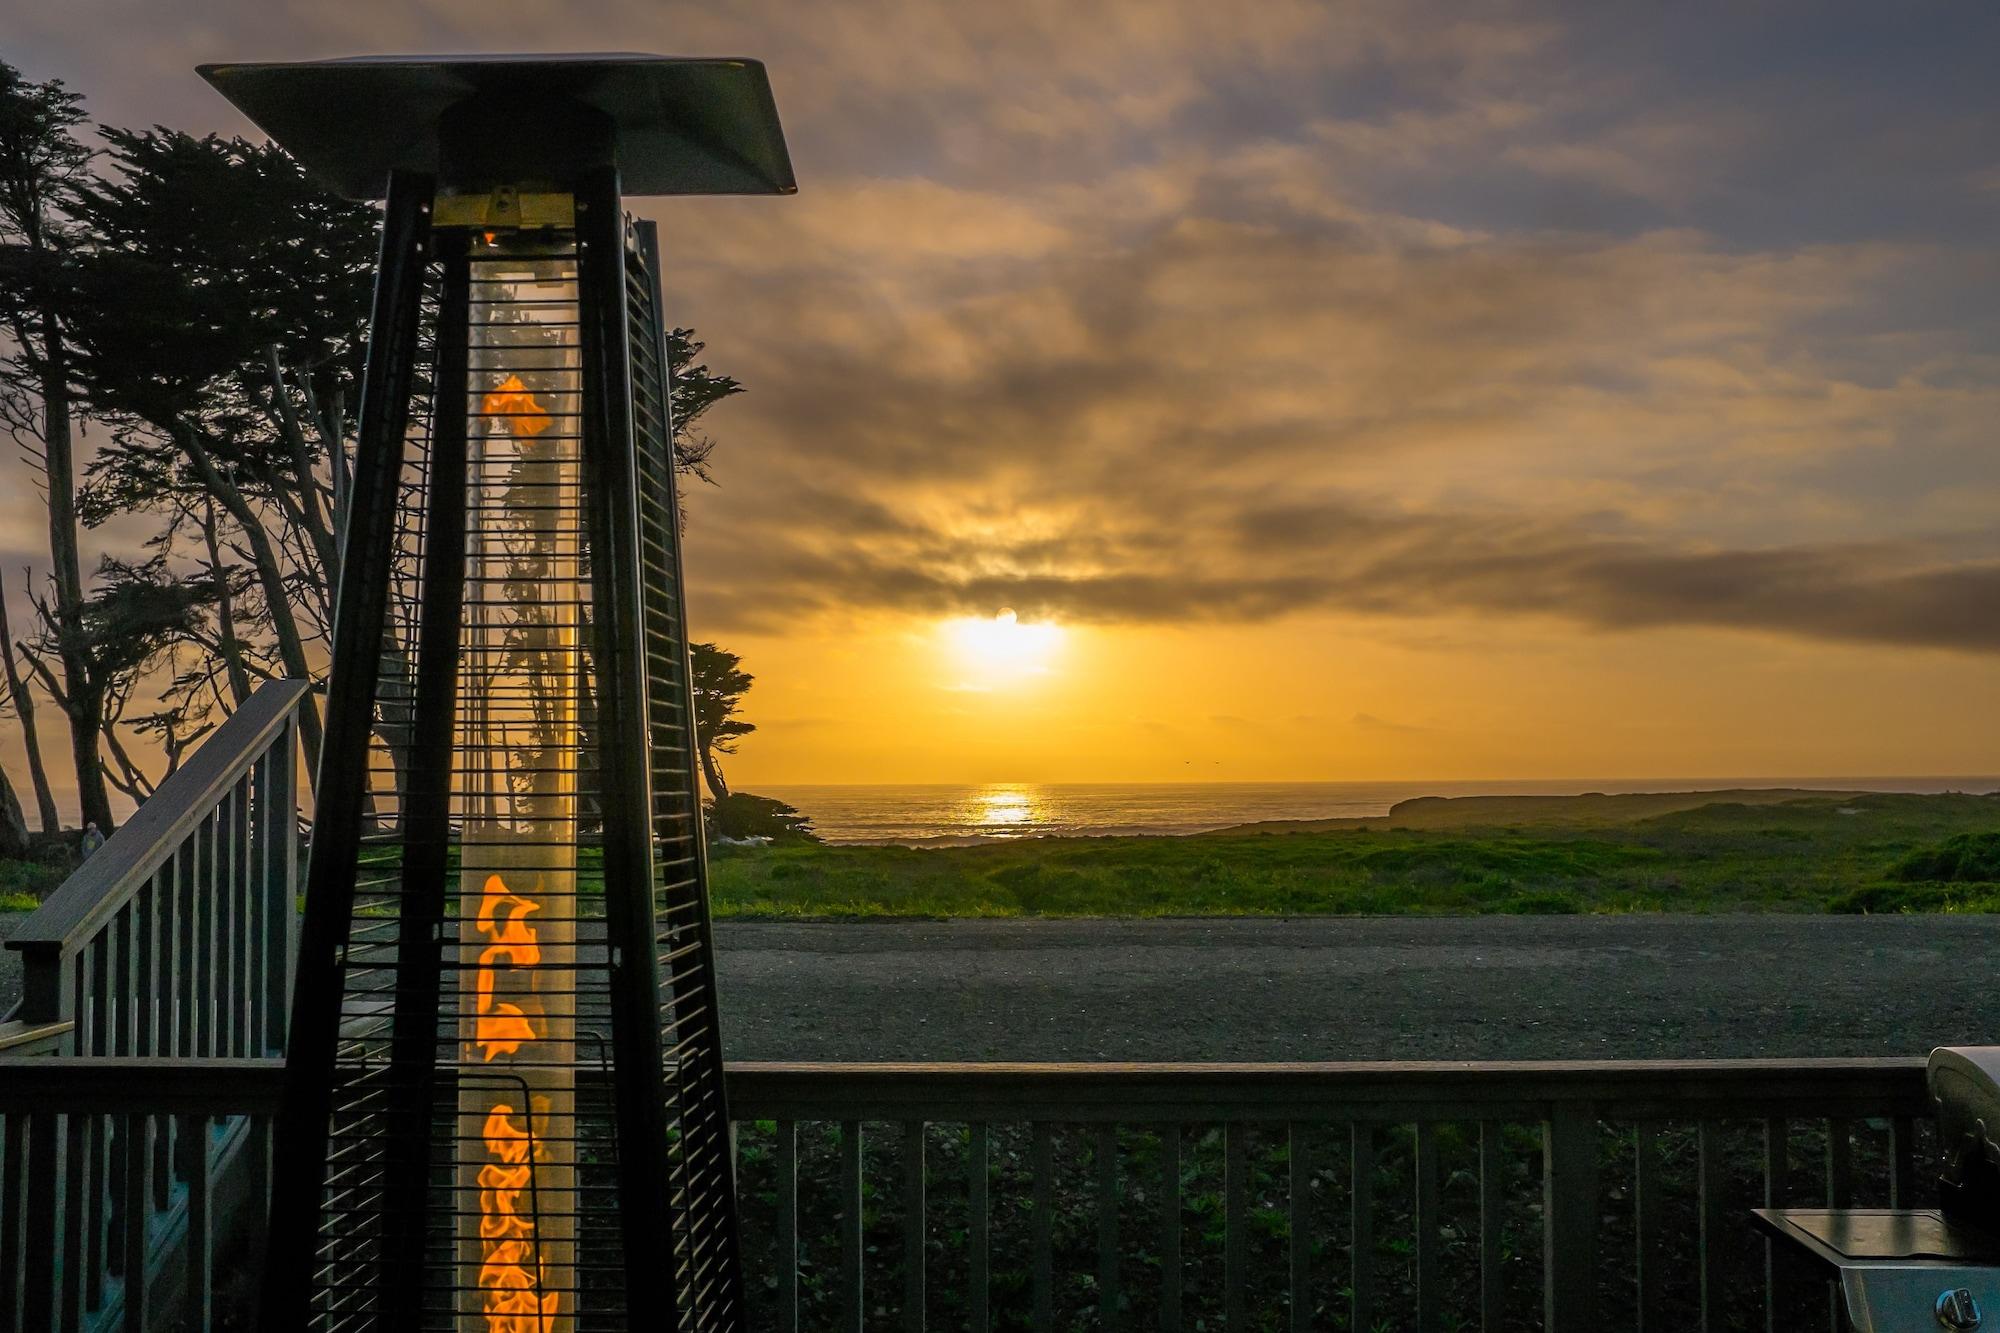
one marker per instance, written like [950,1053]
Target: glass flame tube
[518,754]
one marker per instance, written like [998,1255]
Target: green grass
[1878,853]
[23,884]
[1867,853]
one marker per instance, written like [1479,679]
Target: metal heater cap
[680,125]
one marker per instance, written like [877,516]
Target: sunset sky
[1327,390]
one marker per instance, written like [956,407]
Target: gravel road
[1350,988]
[1373,988]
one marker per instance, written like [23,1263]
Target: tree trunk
[24,708]
[13,828]
[713,772]
[86,733]
[264,557]
[229,647]
[311,517]
[84,703]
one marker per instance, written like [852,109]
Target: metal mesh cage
[522,1099]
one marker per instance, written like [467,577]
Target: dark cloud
[1353,560]
[1336,410]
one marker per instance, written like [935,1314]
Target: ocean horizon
[942,814]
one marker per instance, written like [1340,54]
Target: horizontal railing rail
[17,1038]
[1501,1195]
[765,1090]
[1386,1090]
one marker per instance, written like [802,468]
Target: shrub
[1880,899]
[740,815]
[1964,858]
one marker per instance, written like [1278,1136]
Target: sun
[1003,649]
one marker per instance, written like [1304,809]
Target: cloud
[1180,314]
[1354,559]
[1271,399]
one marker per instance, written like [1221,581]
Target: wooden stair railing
[174,939]
[170,945]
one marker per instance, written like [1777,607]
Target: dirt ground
[1371,988]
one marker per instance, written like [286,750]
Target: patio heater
[503,1108]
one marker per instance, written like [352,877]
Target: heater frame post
[299,1158]
[618,626]
[426,868]
[720,1148]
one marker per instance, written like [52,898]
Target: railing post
[853,1307]
[1709,1184]
[1170,1229]
[137,1199]
[1107,1228]
[1430,1297]
[1361,1225]
[1235,1223]
[1492,1204]
[913,1226]
[278,837]
[788,1226]
[1298,1202]
[978,1227]
[1648,1213]
[48,988]
[1569,1212]
[1042,1227]
[48,991]
[41,1282]
[200,1242]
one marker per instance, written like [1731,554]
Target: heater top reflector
[681,126]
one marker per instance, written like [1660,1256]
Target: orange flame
[500,1028]
[510,1273]
[521,413]
[511,1268]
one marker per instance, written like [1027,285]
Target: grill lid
[682,125]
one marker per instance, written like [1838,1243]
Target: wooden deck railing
[1404,1196]
[1564,1196]
[172,943]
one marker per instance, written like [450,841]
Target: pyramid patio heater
[503,1107]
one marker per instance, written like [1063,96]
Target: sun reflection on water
[1005,808]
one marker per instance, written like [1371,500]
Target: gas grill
[1920,1270]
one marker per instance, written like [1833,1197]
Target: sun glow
[1004,649]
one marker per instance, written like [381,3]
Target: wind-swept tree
[695,389]
[208,303]
[720,682]
[219,323]
[41,163]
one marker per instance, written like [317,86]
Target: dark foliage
[741,815]
[1964,858]
[720,682]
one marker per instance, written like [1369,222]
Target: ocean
[939,815]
